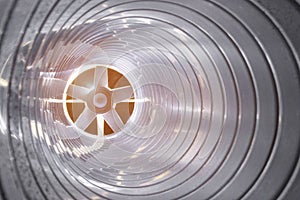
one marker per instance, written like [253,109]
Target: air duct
[140,99]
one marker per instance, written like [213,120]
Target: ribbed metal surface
[216,99]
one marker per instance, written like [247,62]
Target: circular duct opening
[98,100]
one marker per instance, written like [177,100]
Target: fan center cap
[100,100]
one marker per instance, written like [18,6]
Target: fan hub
[100,100]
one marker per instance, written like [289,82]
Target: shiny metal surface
[216,90]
